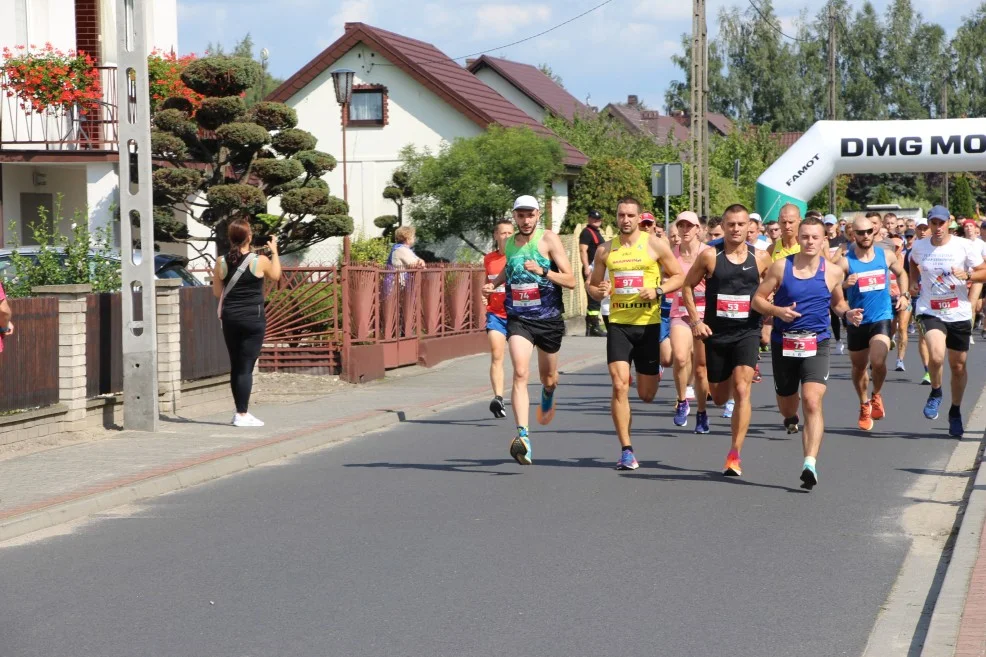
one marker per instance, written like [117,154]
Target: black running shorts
[545,334]
[725,354]
[858,337]
[791,372]
[640,345]
[957,334]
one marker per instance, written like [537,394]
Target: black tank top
[245,301]
[727,297]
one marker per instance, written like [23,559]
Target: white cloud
[503,19]
[350,11]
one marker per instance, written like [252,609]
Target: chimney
[650,114]
[470,61]
[351,26]
[632,100]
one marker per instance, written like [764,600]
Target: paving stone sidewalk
[41,489]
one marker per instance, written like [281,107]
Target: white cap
[923,221]
[755,217]
[526,202]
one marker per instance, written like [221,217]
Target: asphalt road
[429,540]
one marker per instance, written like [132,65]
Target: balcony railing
[61,129]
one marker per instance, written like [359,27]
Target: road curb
[217,465]
[943,629]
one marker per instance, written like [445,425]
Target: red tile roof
[786,139]
[534,84]
[661,128]
[433,69]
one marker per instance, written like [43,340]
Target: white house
[405,92]
[70,155]
[527,87]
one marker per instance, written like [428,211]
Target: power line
[515,43]
[774,27]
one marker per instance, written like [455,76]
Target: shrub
[602,182]
[215,112]
[273,116]
[369,250]
[316,163]
[228,198]
[291,141]
[166,87]
[243,136]
[219,75]
[275,172]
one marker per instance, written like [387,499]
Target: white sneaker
[842,347]
[690,393]
[246,420]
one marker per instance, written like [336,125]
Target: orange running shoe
[877,405]
[865,417]
[732,467]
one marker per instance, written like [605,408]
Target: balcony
[60,129]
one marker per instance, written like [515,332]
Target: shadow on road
[473,465]
[685,474]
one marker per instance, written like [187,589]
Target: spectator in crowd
[589,240]
[402,254]
[238,283]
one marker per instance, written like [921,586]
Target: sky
[622,48]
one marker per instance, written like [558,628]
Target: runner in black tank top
[730,328]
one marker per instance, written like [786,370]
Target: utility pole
[944,115]
[698,196]
[832,90]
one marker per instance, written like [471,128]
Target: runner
[496,315]
[836,250]
[688,353]
[921,231]
[589,240]
[730,329]
[537,268]
[804,288]
[867,270]
[941,264]
[634,261]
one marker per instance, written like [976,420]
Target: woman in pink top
[688,353]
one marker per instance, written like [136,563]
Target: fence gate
[304,322]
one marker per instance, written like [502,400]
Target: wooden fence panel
[203,349]
[29,361]
[104,344]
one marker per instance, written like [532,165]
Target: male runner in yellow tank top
[634,261]
[789,220]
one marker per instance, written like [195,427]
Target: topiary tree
[225,160]
[600,185]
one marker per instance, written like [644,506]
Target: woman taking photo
[238,283]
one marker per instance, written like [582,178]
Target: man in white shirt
[940,266]
[757,238]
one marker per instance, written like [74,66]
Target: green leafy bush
[229,198]
[369,250]
[600,185]
[221,76]
[273,116]
[291,141]
[215,112]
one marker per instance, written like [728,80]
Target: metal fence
[104,344]
[29,361]
[203,350]
[304,321]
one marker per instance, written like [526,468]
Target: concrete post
[169,343]
[71,349]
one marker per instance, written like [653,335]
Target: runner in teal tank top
[537,269]
[530,296]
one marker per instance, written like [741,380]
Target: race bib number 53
[733,306]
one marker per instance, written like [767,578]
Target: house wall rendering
[506,89]
[415,116]
[22,179]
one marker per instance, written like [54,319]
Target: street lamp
[342,80]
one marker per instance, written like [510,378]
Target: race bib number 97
[628,282]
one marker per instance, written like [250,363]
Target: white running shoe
[246,420]
[690,393]
[842,347]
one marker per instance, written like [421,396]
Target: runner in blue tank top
[804,289]
[537,268]
[867,286]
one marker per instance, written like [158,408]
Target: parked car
[165,265]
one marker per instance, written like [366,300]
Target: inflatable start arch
[833,147]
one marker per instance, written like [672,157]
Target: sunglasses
[868,231]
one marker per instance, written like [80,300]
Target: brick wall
[87,28]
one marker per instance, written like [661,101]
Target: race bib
[498,290]
[700,301]
[870,281]
[799,345]
[628,282]
[944,305]
[733,306]
[525,295]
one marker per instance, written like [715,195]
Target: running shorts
[957,334]
[790,372]
[666,324]
[858,337]
[496,323]
[725,354]
[635,344]
[545,334]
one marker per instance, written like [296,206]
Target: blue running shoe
[681,414]
[701,422]
[520,448]
[955,426]
[809,477]
[931,408]
[627,461]
[546,409]
[727,412]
